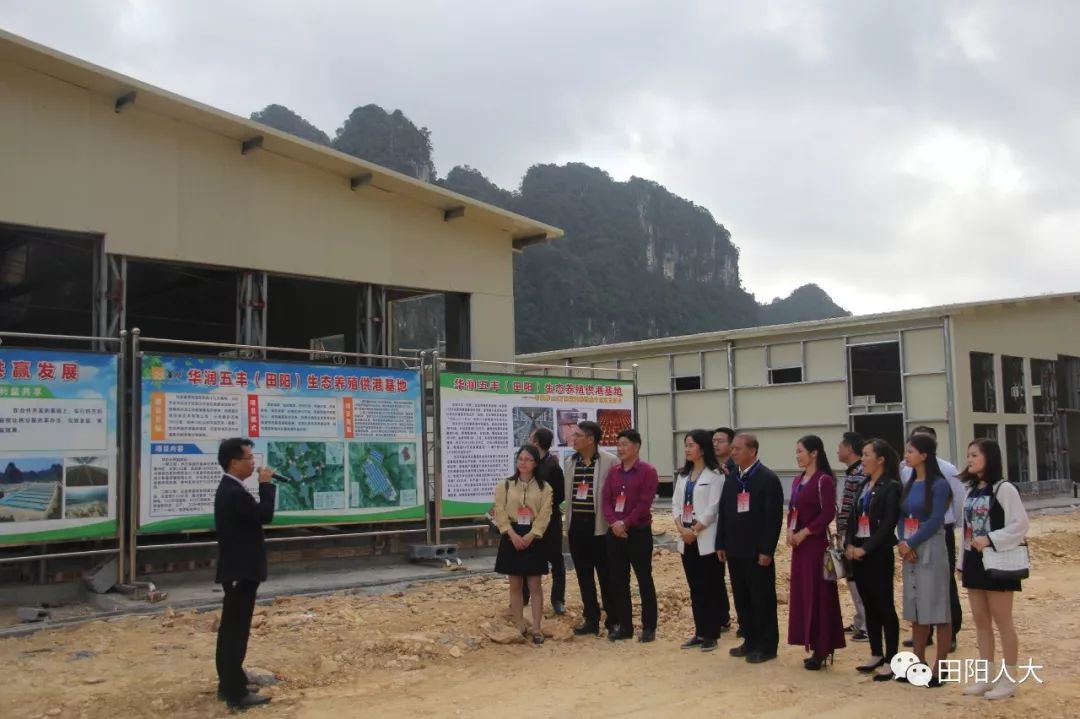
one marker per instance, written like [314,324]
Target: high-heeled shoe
[816,663]
[882,677]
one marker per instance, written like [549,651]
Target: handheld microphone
[282,478]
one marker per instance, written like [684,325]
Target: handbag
[1011,564]
[834,566]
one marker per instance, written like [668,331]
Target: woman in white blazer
[994,521]
[695,507]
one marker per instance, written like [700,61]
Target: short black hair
[590,427]
[231,449]
[631,434]
[725,430]
[853,440]
[544,437]
[923,429]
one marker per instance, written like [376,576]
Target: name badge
[742,502]
[620,502]
[582,491]
[863,530]
[688,513]
[793,518]
[968,536]
[524,516]
[911,526]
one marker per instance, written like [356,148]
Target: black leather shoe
[620,635]
[759,657]
[692,642]
[647,635]
[725,628]
[251,700]
[740,634]
[252,689]
[708,645]
[740,651]
[559,608]
[584,629]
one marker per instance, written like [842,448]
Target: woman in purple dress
[814,619]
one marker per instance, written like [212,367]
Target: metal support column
[251,300]
[436,411]
[429,535]
[110,285]
[135,418]
[950,390]
[123,475]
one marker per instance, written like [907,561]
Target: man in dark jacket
[551,473]
[241,564]
[748,528]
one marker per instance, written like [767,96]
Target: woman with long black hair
[814,619]
[923,551]
[695,506]
[871,536]
[994,521]
[522,513]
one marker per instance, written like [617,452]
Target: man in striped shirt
[584,475]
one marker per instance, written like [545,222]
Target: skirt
[926,583]
[531,562]
[975,576]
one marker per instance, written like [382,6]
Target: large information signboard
[57,445]
[348,437]
[485,417]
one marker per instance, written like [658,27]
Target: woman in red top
[814,619]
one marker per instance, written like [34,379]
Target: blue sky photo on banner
[348,437]
[57,445]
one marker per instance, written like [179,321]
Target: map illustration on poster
[348,438]
[485,417]
[57,445]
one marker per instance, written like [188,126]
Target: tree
[282,118]
[387,139]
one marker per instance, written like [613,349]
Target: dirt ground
[429,652]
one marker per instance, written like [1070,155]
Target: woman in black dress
[522,513]
[994,520]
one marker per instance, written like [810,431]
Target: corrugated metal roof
[629,349]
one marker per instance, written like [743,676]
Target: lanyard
[744,477]
[796,490]
[866,500]
[690,482]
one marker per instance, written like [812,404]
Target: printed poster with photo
[485,417]
[58,445]
[348,438]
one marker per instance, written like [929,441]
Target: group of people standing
[729,514]
[609,526]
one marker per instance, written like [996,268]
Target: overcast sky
[898,154]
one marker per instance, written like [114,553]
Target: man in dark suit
[241,563]
[748,528]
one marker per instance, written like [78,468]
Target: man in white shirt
[953,515]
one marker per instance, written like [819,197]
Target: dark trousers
[232,639]
[623,554]
[874,576]
[589,554]
[956,612]
[754,589]
[553,549]
[708,598]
